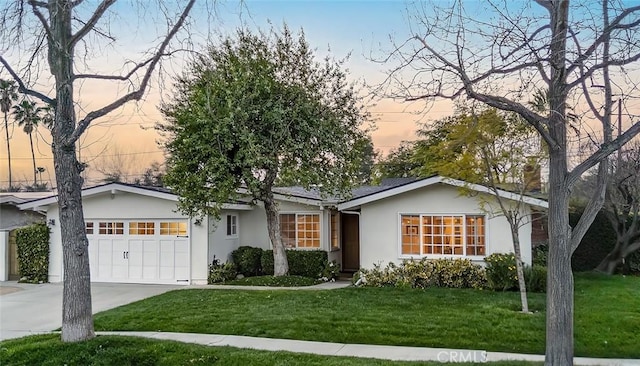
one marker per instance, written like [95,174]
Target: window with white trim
[456,235]
[300,230]
[232,225]
[111,228]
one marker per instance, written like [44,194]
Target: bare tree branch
[91,23]
[137,94]
[22,88]
[41,17]
[121,77]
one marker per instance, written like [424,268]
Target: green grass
[122,351]
[280,281]
[607,318]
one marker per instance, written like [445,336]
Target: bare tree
[622,208]
[504,55]
[64,31]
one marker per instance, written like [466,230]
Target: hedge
[247,260]
[33,253]
[306,263]
[596,244]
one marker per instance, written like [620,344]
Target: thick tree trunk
[77,320]
[519,267]
[6,130]
[559,335]
[280,263]
[33,159]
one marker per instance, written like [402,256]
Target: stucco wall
[380,223]
[220,245]
[129,206]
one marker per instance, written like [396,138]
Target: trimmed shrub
[306,263]
[33,253]
[221,273]
[501,271]
[451,273]
[502,274]
[247,260]
[599,240]
[536,278]
[540,254]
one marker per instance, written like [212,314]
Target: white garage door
[139,251]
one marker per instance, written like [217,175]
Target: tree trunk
[77,320]
[519,267]
[611,261]
[33,159]
[559,335]
[280,264]
[6,130]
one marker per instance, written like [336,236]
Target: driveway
[27,309]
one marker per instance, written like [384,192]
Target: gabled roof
[114,188]
[386,192]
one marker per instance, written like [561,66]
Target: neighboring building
[137,235]
[12,218]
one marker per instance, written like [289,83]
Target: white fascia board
[112,187]
[439,179]
[287,198]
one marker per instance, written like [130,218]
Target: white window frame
[320,223]
[338,232]
[464,236]
[233,225]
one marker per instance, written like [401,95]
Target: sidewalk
[395,353]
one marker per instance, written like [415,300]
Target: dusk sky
[359,28]
[362,29]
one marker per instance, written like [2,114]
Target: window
[173,228]
[88,227]
[111,228]
[232,225]
[300,230]
[141,228]
[335,230]
[457,235]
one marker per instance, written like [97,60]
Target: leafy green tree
[488,147]
[27,115]
[399,163]
[257,109]
[8,95]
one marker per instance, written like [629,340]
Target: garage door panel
[140,253]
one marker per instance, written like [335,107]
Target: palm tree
[28,116]
[8,95]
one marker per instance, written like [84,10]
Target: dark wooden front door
[350,242]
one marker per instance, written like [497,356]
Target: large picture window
[457,235]
[300,230]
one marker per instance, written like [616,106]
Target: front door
[350,242]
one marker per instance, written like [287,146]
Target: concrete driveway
[27,309]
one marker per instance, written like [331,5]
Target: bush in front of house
[425,273]
[248,260]
[306,263]
[33,253]
[502,274]
[221,273]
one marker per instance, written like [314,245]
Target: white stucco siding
[380,223]
[221,245]
[129,206]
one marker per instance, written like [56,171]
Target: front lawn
[123,351]
[607,317]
